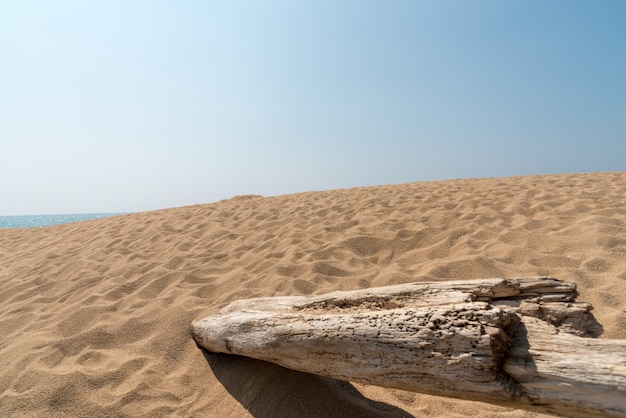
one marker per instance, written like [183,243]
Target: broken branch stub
[507,342]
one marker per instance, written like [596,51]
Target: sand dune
[95,316]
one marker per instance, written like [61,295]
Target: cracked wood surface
[512,342]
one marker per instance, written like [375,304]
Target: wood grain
[518,343]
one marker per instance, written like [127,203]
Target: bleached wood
[568,375]
[510,342]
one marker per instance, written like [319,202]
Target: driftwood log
[521,343]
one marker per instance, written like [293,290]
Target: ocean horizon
[36,221]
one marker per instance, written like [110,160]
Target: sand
[95,316]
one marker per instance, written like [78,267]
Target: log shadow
[268,390]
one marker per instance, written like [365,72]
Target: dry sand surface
[95,316]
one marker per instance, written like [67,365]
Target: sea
[35,221]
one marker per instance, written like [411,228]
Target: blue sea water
[34,221]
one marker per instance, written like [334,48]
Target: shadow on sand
[268,390]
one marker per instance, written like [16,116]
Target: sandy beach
[95,316]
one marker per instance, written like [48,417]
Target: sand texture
[95,316]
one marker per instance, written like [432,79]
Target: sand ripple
[95,316]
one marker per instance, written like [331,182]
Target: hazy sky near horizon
[111,106]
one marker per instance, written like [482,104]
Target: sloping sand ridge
[95,316]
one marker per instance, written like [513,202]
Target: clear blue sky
[112,106]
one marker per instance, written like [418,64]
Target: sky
[124,106]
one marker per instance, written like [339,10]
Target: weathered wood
[568,375]
[515,342]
